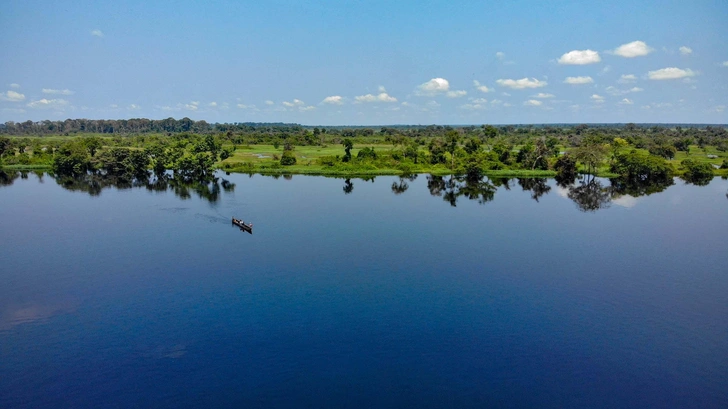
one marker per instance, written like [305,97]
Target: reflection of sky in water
[163,351]
[625,201]
[13,315]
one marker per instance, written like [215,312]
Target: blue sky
[366,62]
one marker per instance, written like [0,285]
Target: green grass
[305,154]
[26,167]
[260,159]
[700,155]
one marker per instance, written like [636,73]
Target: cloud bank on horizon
[368,64]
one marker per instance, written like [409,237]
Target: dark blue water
[137,298]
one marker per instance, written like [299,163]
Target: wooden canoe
[243,226]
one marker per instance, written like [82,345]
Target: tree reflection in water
[400,187]
[348,186]
[697,180]
[94,183]
[501,182]
[590,195]
[537,186]
[453,187]
[636,188]
[7,178]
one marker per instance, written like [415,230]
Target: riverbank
[326,161]
[357,172]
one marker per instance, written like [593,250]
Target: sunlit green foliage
[72,158]
[639,166]
[288,158]
[698,173]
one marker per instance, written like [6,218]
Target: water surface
[362,294]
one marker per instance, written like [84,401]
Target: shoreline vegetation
[195,149]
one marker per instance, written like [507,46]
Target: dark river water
[423,293]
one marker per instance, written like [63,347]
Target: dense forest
[137,126]
[71,127]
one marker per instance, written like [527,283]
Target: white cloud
[57,91]
[627,78]
[522,83]
[298,104]
[626,101]
[686,50]
[580,57]
[719,108]
[533,103]
[48,103]
[578,80]
[243,106]
[597,98]
[478,100]
[192,106]
[633,49]
[505,94]
[433,87]
[134,107]
[269,102]
[97,33]
[670,73]
[13,110]
[12,96]
[500,55]
[725,64]
[616,91]
[14,85]
[473,107]
[542,95]
[381,97]
[294,103]
[605,70]
[212,104]
[333,100]
[480,87]
[456,94]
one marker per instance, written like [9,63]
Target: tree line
[638,152]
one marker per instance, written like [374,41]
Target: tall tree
[348,145]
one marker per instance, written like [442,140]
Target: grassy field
[700,155]
[264,159]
